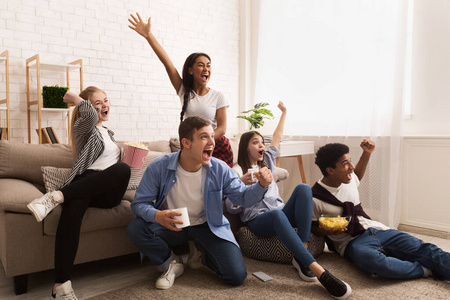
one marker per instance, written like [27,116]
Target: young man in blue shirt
[194,179]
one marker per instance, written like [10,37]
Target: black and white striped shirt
[88,139]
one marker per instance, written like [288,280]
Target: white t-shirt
[187,192]
[344,193]
[110,155]
[204,106]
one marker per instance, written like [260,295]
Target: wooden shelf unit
[4,57]
[34,62]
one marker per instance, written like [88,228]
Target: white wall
[430,92]
[118,60]
[424,197]
[425,177]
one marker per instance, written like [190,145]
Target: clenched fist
[264,176]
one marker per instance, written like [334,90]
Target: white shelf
[2,58]
[35,108]
[3,108]
[294,148]
[55,67]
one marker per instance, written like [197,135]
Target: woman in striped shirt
[97,179]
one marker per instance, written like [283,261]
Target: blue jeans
[395,254]
[296,213]
[155,242]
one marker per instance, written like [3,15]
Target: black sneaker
[336,288]
[437,276]
[303,272]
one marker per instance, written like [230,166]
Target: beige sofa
[27,246]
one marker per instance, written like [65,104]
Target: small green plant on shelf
[52,96]
[257,115]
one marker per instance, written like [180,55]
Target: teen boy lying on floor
[371,245]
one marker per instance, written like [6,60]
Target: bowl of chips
[134,154]
[333,222]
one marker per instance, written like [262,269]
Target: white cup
[184,217]
[251,172]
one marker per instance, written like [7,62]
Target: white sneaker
[194,260]
[167,279]
[64,291]
[42,206]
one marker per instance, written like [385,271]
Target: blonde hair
[86,95]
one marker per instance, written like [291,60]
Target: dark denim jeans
[156,241]
[296,213]
[395,254]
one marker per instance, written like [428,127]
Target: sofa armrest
[280,174]
[16,194]
[129,195]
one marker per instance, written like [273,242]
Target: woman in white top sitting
[272,216]
[197,99]
[97,179]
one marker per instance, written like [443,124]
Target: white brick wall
[118,60]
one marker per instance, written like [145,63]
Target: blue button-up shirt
[218,180]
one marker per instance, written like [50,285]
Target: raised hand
[264,176]
[368,145]
[72,98]
[165,218]
[278,133]
[144,29]
[140,26]
[282,107]
[247,179]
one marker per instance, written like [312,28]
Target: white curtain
[338,65]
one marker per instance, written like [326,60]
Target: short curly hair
[329,155]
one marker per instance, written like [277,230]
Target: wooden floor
[97,278]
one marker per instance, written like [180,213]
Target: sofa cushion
[136,174]
[129,195]
[24,161]
[94,218]
[15,194]
[280,174]
[174,144]
[271,248]
[54,177]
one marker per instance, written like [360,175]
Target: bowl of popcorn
[134,154]
[333,222]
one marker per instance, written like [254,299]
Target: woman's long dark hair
[243,157]
[188,80]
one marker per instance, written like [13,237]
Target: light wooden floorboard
[88,280]
[96,278]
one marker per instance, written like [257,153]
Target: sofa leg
[20,284]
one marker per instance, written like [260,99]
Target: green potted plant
[257,115]
[52,96]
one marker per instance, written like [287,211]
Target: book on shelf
[3,133]
[48,135]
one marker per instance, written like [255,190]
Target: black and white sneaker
[303,272]
[337,288]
